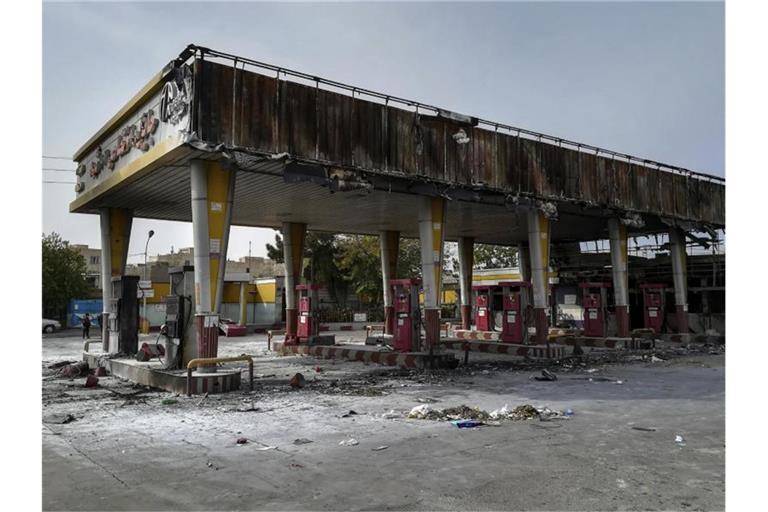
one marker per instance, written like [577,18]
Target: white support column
[202,247]
[431,230]
[389,245]
[106,276]
[679,259]
[538,243]
[618,237]
[466,262]
[115,226]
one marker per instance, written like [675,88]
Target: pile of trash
[479,417]
[462,412]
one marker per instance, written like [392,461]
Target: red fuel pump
[407,335]
[514,326]
[483,320]
[308,324]
[594,300]
[653,306]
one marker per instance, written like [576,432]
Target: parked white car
[50,325]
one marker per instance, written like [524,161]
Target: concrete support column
[431,234]
[200,241]
[466,262]
[243,305]
[212,193]
[538,242]
[115,226]
[389,245]
[294,234]
[212,190]
[679,275]
[617,233]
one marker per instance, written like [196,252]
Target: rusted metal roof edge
[192,49]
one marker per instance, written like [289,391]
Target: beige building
[257,266]
[92,262]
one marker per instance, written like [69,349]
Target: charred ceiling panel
[254,112]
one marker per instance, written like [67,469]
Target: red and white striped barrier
[531,351]
[464,334]
[401,360]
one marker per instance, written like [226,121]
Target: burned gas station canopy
[343,159]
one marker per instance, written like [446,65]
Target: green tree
[320,266]
[495,256]
[64,276]
[359,261]
[360,264]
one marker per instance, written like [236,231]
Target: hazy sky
[642,78]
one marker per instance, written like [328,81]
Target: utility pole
[143,291]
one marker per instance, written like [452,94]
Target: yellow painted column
[243,304]
[538,246]
[294,234]
[221,191]
[431,232]
[115,226]
[212,197]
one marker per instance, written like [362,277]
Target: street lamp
[143,291]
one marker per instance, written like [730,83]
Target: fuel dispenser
[181,345]
[407,336]
[124,315]
[309,324]
[594,301]
[483,319]
[515,311]
[653,306]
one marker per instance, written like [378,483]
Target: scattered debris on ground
[349,442]
[59,364]
[463,414]
[74,370]
[298,381]
[58,419]
[546,375]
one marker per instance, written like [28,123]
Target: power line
[58,157]
[58,169]
[61,182]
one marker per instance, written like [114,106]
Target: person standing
[87,326]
